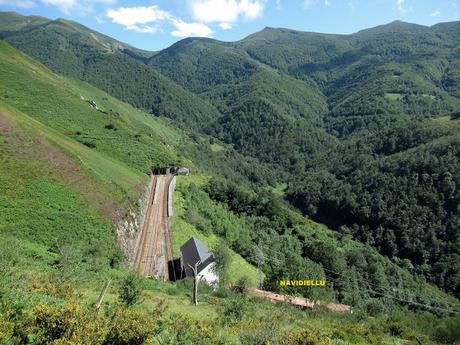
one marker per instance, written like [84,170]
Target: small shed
[194,252]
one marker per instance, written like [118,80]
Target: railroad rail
[153,251]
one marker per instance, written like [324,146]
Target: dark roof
[194,251]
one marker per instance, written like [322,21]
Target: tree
[223,259]
[195,282]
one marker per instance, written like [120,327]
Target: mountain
[76,51]
[73,174]
[395,27]
[11,21]
[255,101]
[325,116]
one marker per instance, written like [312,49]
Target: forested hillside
[361,128]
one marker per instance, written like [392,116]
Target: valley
[311,156]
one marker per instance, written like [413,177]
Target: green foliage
[243,285]
[72,50]
[448,331]
[223,260]
[385,192]
[129,327]
[70,324]
[234,309]
[131,289]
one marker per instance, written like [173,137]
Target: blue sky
[156,24]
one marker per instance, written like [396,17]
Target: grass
[104,168]
[115,129]
[216,147]
[41,211]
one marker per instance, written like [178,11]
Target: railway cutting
[153,251]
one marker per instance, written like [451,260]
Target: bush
[448,332]
[66,325]
[234,310]
[243,285]
[129,327]
[131,289]
[375,307]
[260,333]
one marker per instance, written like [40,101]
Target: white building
[196,254]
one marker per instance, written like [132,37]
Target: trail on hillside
[153,249]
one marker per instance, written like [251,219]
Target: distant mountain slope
[359,73]
[73,50]
[266,114]
[11,21]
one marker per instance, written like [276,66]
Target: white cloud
[225,26]
[144,29]
[435,13]
[328,3]
[226,11]
[184,29]
[148,19]
[400,5]
[18,3]
[133,16]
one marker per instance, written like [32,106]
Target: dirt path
[300,301]
[154,248]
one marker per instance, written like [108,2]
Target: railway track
[153,250]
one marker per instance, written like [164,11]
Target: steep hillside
[76,51]
[396,68]
[113,143]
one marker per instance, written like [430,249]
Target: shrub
[66,325]
[260,333]
[375,307]
[448,332]
[131,289]
[181,329]
[234,310]
[129,327]
[243,285]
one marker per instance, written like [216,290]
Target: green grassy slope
[76,51]
[51,107]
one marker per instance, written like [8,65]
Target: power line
[405,301]
[383,288]
[379,287]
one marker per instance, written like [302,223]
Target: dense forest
[361,128]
